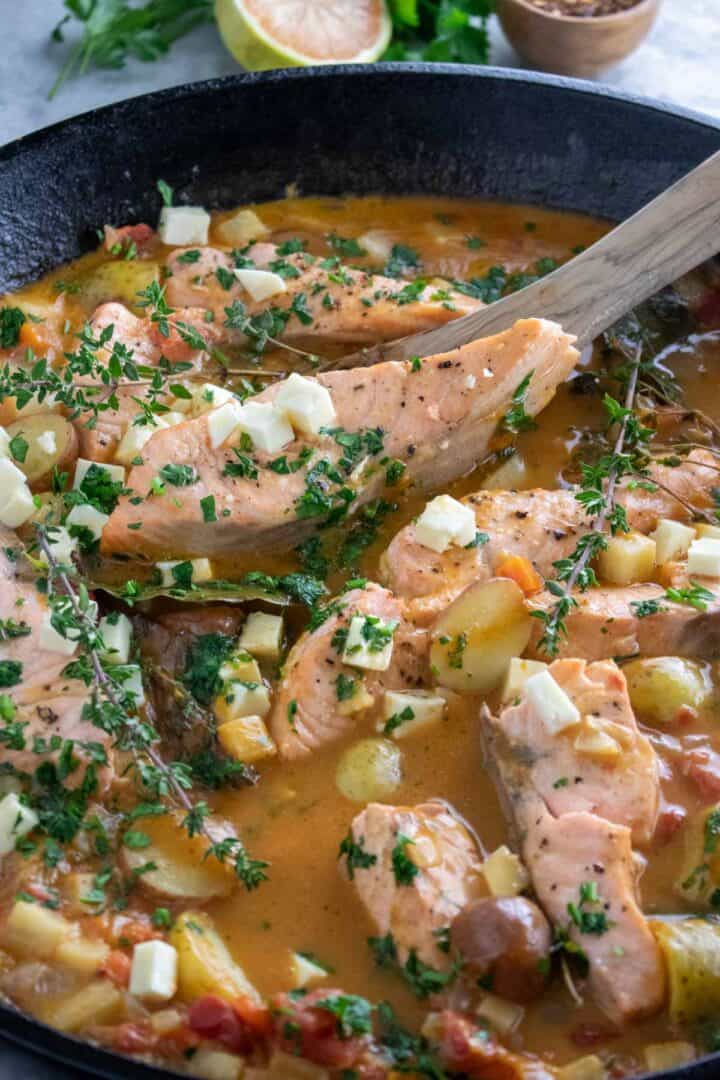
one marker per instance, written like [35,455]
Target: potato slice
[181,873]
[204,964]
[475,639]
[52,442]
[121,280]
[691,948]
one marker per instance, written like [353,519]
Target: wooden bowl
[571,44]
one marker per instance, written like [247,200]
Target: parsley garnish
[356,857]
[404,868]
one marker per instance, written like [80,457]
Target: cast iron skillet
[397,129]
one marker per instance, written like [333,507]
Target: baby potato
[475,639]
[662,687]
[181,873]
[204,964]
[691,949]
[369,771]
[52,442]
[121,280]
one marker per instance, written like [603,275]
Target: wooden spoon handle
[674,233]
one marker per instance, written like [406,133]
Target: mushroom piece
[506,939]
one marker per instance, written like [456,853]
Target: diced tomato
[311,1032]
[671,818]
[255,1015]
[139,235]
[117,967]
[521,571]
[134,1038]
[467,1049]
[224,1021]
[702,766]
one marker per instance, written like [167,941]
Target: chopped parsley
[207,505]
[10,672]
[18,447]
[404,869]
[353,1014]
[345,687]
[203,661]
[402,261]
[516,419]
[179,475]
[12,320]
[356,857]
[347,247]
[397,720]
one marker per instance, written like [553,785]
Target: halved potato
[204,964]
[475,639]
[181,873]
[691,948]
[370,771]
[52,442]
[121,280]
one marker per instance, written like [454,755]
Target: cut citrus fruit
[264,34]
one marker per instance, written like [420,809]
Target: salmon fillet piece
[325,299]
[543,526]
[448,875]
[306,710]
[437,421]
[576,820]
[626,974]
[607,623]
[530,757]
[47,701]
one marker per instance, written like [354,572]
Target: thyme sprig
[112,710]
[597,496]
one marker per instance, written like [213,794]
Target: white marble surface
[677,62]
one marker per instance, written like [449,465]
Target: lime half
[264,34]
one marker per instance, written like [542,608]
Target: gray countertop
[678,62]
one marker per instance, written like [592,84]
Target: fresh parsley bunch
[454,31]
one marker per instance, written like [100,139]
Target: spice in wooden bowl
[582,9]
[576,37]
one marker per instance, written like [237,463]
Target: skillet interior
[399,130]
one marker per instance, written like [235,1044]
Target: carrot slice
[521,571]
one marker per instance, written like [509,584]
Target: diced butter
[16,501]
[47,442]
[87,517]
[704,557]
[16,820]
[129,677]
[62,545]
[518,673]
[246,738]
[241,699]
[443,522]
[672,540]
[135,439]
[262,635]
[267,425]
[550,702]
[505,873]
[180,225]
[82,465]
[377,244]
[153,973]
[242,228]
[208,397]
[242,667]
[361,651]
[427,710]
[307,404]
[261,284]
[52,641]
[223,422]
[359,700]
[201,570]
[116,632]
[305,972]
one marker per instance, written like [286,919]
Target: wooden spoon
[674,233]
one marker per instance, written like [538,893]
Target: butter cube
[369,643]
[308,404]
[153,973]
[267,426]
[672,540]
[262,635]
[704,557]
[443,522]
[238,699]
[518,673]
[261,284]
[550,702]
[409,712]
[181,225]
[16,820]
[87,517]
[116,631]
[246,739]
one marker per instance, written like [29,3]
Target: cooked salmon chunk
[633,620]
[584,874]
[543,526]
[436,421]
[563,769]
[48,702]
[320,298]
[416,905]
[307,712]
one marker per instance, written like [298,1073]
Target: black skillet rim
[33,1034]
